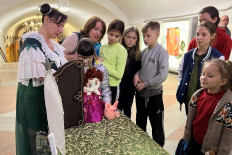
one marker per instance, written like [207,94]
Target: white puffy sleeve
[30,65]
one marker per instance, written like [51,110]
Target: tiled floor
[8,86]
[174,120]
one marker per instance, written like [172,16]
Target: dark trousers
[154,110]
[125,103]
[114,92]
[195,148]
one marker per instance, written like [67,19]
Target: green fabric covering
[119,136]
[30,117]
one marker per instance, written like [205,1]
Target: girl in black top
[130,41]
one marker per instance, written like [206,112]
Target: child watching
[85,52]
[148,82]
[222,41]
[208,127]
[191,63]
[113,56]
[130,41]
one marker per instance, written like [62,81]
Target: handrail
[3,55]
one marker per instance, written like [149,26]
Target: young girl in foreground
[209,125]
[114,56]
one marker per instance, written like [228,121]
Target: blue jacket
[186,67]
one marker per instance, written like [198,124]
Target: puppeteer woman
[30,105]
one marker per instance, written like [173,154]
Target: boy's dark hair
[154,25]
[116,25]
[90,24]
[55,15]
[213,12]
[85,47]
[209,26]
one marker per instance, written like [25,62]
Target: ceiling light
[63,5]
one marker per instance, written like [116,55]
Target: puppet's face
[92,86]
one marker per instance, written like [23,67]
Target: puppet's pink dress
[93,108]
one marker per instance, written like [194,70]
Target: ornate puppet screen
[69,81]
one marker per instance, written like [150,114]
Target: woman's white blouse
[31,58]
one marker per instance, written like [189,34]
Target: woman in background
[222,41]
[95,29]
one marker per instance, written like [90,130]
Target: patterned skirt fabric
[119,136]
